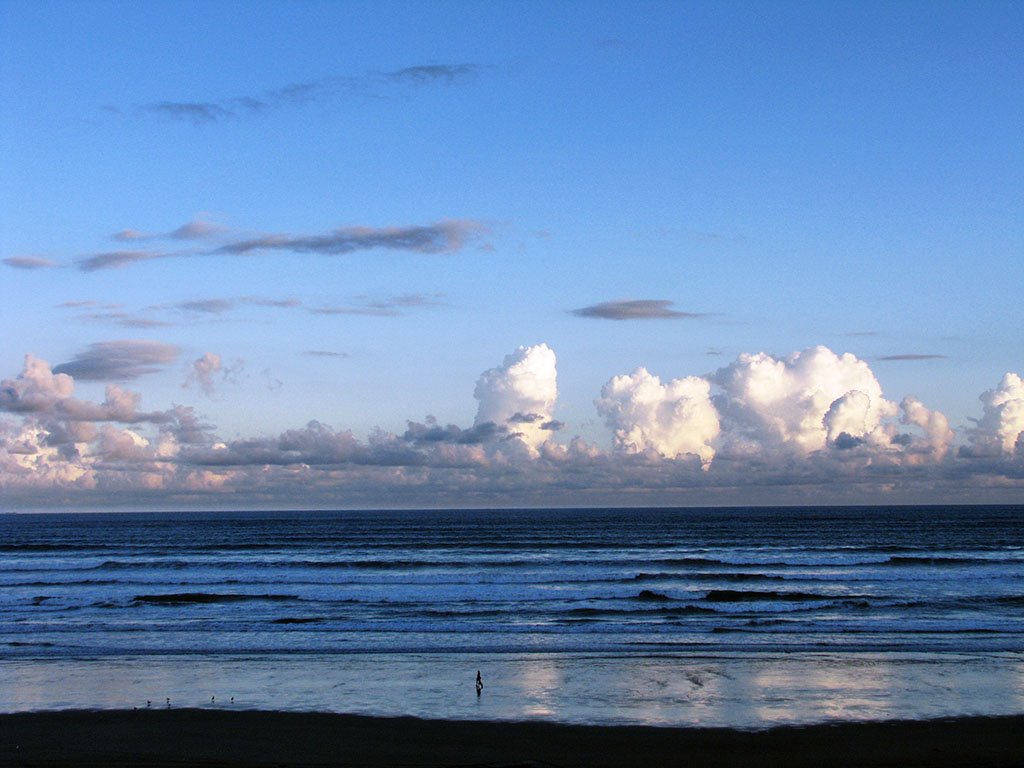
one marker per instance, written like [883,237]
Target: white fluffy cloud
[37,388]
[802,402]
[811,427]
[672,420]
[1000,430]
[520,394]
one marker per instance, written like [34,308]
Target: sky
[345,254]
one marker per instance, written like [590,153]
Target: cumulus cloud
[119,360]
[37,388]
[1000,430]
[671,420]
[520,394]
[634,309]
[809,427]
[28,262]
[802,402]
[207,372]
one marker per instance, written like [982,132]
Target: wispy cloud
[197,229]
[324,353]
[28,262]
[209,306]
[389,307]
[298,94]
[428,74]
[193,111]
[911,356]
[635,309]
[119,360]
[117,259]
[440,237]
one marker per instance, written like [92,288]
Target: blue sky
[273,213]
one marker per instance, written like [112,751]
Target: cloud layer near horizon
[809,421]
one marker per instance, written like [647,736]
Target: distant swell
[736,596]
[913,560]
[182,598]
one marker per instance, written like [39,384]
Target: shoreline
[251,738]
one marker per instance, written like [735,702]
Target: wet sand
[212,737]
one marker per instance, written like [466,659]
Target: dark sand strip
[211,737]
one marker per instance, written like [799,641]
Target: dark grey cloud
[119,360]
[28,262]
[299,94]
[635,309]
[912,356]
[431,432]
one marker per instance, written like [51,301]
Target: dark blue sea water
[680,600]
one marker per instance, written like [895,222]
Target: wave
[946,560]
[183,598]
[298,620]
[681,610]
[714,576]
[740,596]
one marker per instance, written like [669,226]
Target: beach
[211,737]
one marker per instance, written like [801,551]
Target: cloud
[300,94]
[208,306]
[520,394]
[195,112]
[116,259]
[672,420]
[28,262]
[198,229]
[1000,430]
[324,353]
[389,307]
[207,372]
[428,74]
[119,360]
[809,427]
[440,237]
[799,403]
[911,357]
[635,309]
[37,388]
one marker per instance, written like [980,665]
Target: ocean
[744,617]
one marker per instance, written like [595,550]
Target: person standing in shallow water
[479,683]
